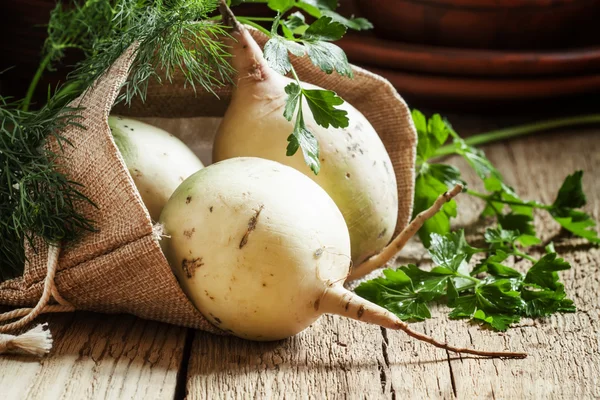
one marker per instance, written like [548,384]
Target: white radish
[262,252]
[157,161]
[356,170]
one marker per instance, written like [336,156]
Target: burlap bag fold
[120,268]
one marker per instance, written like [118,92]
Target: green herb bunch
[490,292]
[501,200]
[173,35]
[35,197]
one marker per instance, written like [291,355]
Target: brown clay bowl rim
[487,4]
[486,89]
[420,58]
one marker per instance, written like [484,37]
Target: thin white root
[37,341]
[399,241]
[340,301]
[158,232]
[460,350]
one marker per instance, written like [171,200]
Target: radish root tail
[340,301]
[400,241]
[461,350]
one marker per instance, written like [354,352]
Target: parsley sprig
[491,292]
[292,34]
[502,202]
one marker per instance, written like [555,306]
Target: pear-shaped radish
[262,251]
[157,161]
[356,170]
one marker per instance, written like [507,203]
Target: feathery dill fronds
[173,35]
[35,198]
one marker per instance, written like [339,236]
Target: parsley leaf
[280,5]
[497,304]
[578,223]
[325,28]
[543,302]
[322,104]
[328,57]
[357,24]
[313,40]
[499,322]
[319,4]
[303,138]
[570,194]
[295,25]
[492,293]
[449,175]
[434,131]
[433,282]
[427,190]
[300,137]
[396,293]
[450,250]
[500,238]
[431,134]
[294,93]
[543,273]
[321,52]
[276,54]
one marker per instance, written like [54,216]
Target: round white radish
[157,161]
[356,170]
[255,244]
[262,251]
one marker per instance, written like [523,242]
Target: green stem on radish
[515,131]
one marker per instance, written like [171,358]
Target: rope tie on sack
[37,341]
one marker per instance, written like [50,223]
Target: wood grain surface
[98,357]
[336,358]
[122,357]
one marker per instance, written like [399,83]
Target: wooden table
[123,357]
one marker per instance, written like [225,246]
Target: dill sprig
[174,36]
[35,198]
[76,26]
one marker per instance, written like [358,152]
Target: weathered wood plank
[99,357]
[374,363]
[324,361]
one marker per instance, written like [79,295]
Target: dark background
[569,26]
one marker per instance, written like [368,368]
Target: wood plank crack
[452,380]
[384,370]
[182,373]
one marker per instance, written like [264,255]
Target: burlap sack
[120,268]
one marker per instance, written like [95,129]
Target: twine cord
[37,341]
